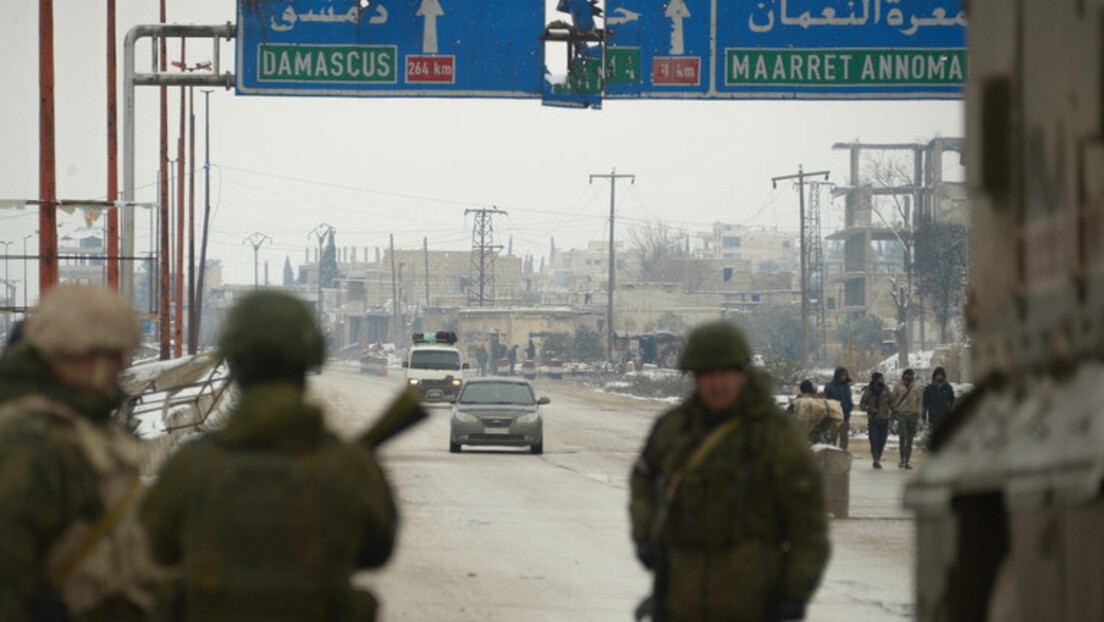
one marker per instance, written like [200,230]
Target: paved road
[505,535]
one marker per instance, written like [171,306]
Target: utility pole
[193,346]
[26,283]
[8,302]
[192,314]
[256,239]
[800,177]
[47,186]
[112,234]
[394,295]
[425,254]
[612,177]
[320,232]
[483,249]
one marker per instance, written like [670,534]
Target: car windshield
[434,359]
[497,393]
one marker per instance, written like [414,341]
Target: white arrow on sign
[677,11]
[430,10]
[626,17]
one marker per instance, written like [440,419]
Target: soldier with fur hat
[70,545]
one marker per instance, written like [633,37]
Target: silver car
[497,411]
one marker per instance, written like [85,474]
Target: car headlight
[529,418]
[455,383]
[413,381]
[465,417]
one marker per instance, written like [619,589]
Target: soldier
[839,389]
[877,402]
[270,516]
[70,544]
[906,409]
[727,507]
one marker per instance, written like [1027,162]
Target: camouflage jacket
[270,516]
[63,464]
[745,528]
[878,405]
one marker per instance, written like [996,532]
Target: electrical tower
[800,177]
[814,242]
[483,254]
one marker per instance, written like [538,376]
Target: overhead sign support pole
[132,79]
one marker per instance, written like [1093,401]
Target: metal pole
[164,308]
[8,302]
[47,185]
[804,270]
[612,258]
[256,239]
[191,225]
[26,283]
[394,294]
[112,155]
[425,251]
[178,283]
[206,213]
[800,177]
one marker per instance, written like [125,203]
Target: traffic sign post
[394,48]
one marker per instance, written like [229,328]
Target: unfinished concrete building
[900,186]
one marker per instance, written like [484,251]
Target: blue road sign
[446,48]
[781,49]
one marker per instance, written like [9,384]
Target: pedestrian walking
[839,389]
[727,506]
[269,517]
[481,359]
[512,357]
[531,351]
[939,397]
[906,410]
[877,403]
[71,547]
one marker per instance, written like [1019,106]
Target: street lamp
[25,238]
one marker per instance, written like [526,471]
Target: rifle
[652,607]
[404,412]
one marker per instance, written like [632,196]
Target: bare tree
[654,246]
[661,259]
[888,172]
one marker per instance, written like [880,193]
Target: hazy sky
[371,167]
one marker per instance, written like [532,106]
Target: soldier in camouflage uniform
[270,516]
[70,544]
[727,506]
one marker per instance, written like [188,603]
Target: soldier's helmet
[716,345]
[270,335]
[79,319]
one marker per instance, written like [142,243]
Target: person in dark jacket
[839,389]
[938,397]
[877,401]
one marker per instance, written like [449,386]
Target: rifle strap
[98,531]
[700,453]
[902,400]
